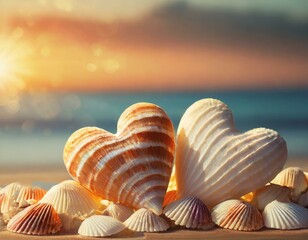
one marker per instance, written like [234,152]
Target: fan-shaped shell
[118,211]
[38,219]
[169,197]
[280,215]
[269,193]
[189,212]
[237,215]
[131,167]
[100,226]
[292,177]
[211,152]
[30,192]
[144,220]
[303,199]
[71,201]
[9,195]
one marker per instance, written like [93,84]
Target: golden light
[5,68]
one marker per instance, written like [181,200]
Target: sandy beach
[48,176]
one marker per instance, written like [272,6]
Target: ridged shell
[294,178]
[118,211]
[30,192]
[269,193]
[100,226]
[9,196]
[237,215]
[189,212]
[38,219]
[131,167]
[211,152]
[303,199]
[72,202]
[280,215]
[169,197]
[144,220]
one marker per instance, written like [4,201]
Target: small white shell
[281,215]
[9,195]
[100,226]
[118,211]
[294,178]
[269,193]
[144,220]
[237,215]
[189,212]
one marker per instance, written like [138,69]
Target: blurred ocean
[34,127]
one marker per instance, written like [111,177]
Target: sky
[67,45]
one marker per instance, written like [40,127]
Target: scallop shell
[100,226]
[237,215]
[280,215]
[38,219]
[131,167]
[118,211]
[72,201]
[169,197]
[294,178]
[211,152]
[303,199]
[144,220]
[9,195]
[269,193]
[189,212]
[30,192]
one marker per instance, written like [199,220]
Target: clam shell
[269,193]
[294,178]
[303,199]
[9,195]
[211,152]
[280,215]
[144,220]
[72,201]
[131,167]
[189,212]
[30,192]
[38,219]
[118,211]
[100,226]
[169,197]
[237,215]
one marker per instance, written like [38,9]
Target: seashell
[131,167]
[211,152]
[169,197]
[269,193]
[100,226]
[29,192]
[237,215]
[72,202]
[118,211]
[303,199]
[294,178]
[144,220]
[9,195]
[38,219]
[189,212]
[280,215]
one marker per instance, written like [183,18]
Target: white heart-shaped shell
[269,193]
[144,220]
[118,211]
[100,226]
[294,178]
[38,219]
[280,215]
[189,212]
[72,201]
[210,152]
[237,215]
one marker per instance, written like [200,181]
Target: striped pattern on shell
[131,167]
[211,152]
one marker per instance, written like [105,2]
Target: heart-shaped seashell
[132,167]
[237,215]
[280,215]
[269,193]
[118,211]
[30,192]
[144,220]
[189,212]
[72,202]
[38,219]
[215,162]
[100,226]
[294,178]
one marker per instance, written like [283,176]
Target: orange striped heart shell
[131,167]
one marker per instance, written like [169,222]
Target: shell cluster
[129,180]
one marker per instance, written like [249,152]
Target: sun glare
[5,68]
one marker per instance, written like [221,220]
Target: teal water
[36,132]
